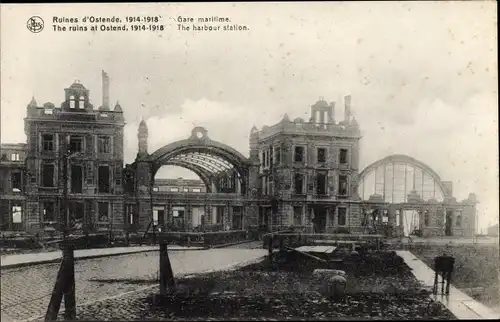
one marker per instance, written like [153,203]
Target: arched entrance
[211,160]
[223,170]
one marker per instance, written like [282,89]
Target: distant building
[493,231]
[12,186]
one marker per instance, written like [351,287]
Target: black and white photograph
[262,161]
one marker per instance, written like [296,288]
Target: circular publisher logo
[35,24]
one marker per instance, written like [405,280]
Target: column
[188,217]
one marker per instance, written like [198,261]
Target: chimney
[347,113]
[105,90]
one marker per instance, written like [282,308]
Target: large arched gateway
[223,170]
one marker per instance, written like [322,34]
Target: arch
[200,152]
[401,158]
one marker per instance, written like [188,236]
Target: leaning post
[167,281]
[70,292]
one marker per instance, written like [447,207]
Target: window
[299,154]
[263,159]
[48,211]
[104,144]
[48,142]
[278,155]
[103,179]
[17,214]
[196,189]
[321,184]
[459,220]
[72,102]
[271,156]
[297,216]
[14,156]
[321,155]
[342,185]
[342,216]
[185,189]
[103,211]
[156,189]
[16,178]
[48,175]
[76,143]
[81,104]
[299,183]
[426,218]
[4,157]
[174,189]
[76,179]
[343,156]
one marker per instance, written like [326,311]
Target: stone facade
[83,145]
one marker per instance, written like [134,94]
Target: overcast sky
[422,75]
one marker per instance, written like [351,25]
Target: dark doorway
[161,219]
[319,221]
[321,183]
[448,223]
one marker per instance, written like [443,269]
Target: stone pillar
[143,179]
[227,217]
[188,217]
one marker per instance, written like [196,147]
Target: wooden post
[57,295]
[64,286]
[166,275]
[69,294]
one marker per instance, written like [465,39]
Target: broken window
[81,104]
[104,144]
[76,179]
[299,154]
[343,156]
[271,156]
[174,189]
[103,211]
[342,185]
[15,156]
[48,175]
[4,157]
[76,143]
[186,189]
[16,178]
[278,155]
[426,218]
[321,184]
[17,214]
[299,183]
[342,216]
[48,211]
[48,142]
[72,102]
[459,220]
[77,214]
[321,155]
[196,189]
[297,216]
[156,189]
[103,179]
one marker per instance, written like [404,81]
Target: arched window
[81,104]
[459,220]
[426,218]
[72,102]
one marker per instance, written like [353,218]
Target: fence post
[70,292]
[166,275]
